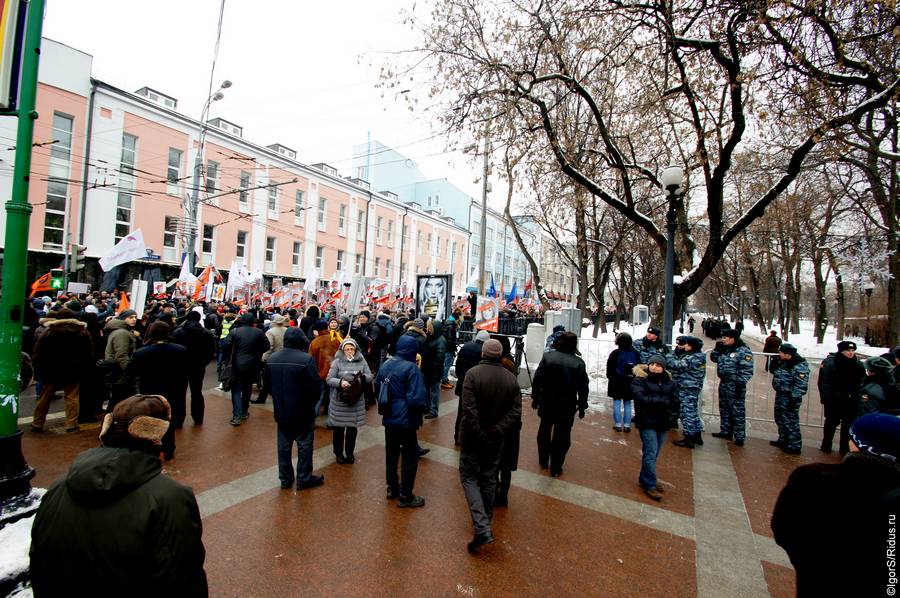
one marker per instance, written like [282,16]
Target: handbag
[384,396]
[226,374]
[352,393]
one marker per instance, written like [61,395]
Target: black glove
[581,414]
[720,347]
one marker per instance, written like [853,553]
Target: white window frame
[357,269]
[378,222]
[208,256]
[170,237]
[240,249]
[173,173]
[297,258]
[340,260]
[270,255]
[390,233]
[272,201]
[58,184]
[125,198]
[299,208]
[323,210]
[387,270]
[244,195]
[377,266]
[320,258]
[342,220]
[360,223]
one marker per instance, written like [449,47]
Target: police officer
[840,378]
[650,345]
[790,379]
[688,366]
[734,366]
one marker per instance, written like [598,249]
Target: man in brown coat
[491,406]
[61,356]
[773,342]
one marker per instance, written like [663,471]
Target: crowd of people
[134,372]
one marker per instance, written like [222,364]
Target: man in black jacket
[491,407]
[559,389]
[468,357]
[293,378]
[840,378]
[113,523]
[246,345]
[201,346]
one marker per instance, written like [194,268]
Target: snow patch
[15,541]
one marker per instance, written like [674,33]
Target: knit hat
[368,314]
[788,349]
[659,359]
[91,309]
[878,364]
[492,349]
[126,314]
[483,336]
[846,346]
[139,421]
[878,434]
[320,325]
[419,323]
[732,333]
[654,330]
[278,320]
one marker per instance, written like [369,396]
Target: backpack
[625,363]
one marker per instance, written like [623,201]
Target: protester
[468,357]
[121,343]
[401,417]
[294,380]
[619,373]
[324,346]
[791,381]
[559,390]
[491,406]
[347,378]
[114,523]
[833,519]
[840,378]
[275,336]
[433,365]
[509,458]
[656,410]
[201,346]
[734,366]
[245,346]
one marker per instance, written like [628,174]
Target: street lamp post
[743,295]
[198,166]
[671,181]
[868,288]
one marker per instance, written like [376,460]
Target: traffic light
[76,257]
[57,279]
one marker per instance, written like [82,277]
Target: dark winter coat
[840,379]
[200,343]
[468,357]
[293,379]
[560,387]
[161,369]
[365,336]
[772,344]
[619,385]
[879,394]
[655,403]
[435,353]
[832,520]
[246,346]
[64,353]
[491,405]
[406,390]
[117,527]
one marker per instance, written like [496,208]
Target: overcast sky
[303,73]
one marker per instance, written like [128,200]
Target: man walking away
[293,378]
[840,378]
[559,389]
[201,346]
[246,346]
[401,417]
[468,357]
[773,341]
[491,406]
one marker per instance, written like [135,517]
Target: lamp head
[225,84]
[218,96]
[671,178]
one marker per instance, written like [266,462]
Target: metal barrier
[507,326]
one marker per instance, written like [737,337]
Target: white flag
[131,247]
[311,280]
[186,275]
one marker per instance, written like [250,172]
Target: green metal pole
[18,213]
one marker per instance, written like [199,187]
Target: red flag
[40,285]
[123,303]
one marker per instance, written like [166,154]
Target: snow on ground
[15,540]
[806,341]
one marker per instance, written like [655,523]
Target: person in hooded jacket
[688,367]
[840,378]
[114,523]
[433,365]
[619,373]
[559,390]
[347,377]
[790,379]
[201,346]
[401,417]
[121,343]
[245,346]
[293,377]
[656,410]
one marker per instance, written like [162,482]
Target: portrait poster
[488,313]
[433,297]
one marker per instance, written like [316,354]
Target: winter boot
[686,442]
[698,438]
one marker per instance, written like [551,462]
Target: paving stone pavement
[590,532]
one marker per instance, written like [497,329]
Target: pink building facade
[112,162]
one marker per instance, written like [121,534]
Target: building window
[241,249]
[299,209]
[430,243]
[173,174]
[129,154]
[447,247]
[476,252]
[476,228]
[245,193]
[170,226]
[418,241]
[377,266]
[320,258]
[62,135]
[57,183]
[340,260]
[390,233]
[378,222]
[125,199]
[208,231]
[438,246]
[405,236]
[322,205]
[270,250]
[358,267]
[273,201]
[295,259]
[360,223]
[387,270]
[342,220]
[212,176]
[453,255]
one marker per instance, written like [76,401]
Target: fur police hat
[846,346]
[137,422]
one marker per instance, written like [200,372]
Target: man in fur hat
[113,523]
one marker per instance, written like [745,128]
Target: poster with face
[433,297]
[488,313]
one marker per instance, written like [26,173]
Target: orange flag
[123,303]
[40,285]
